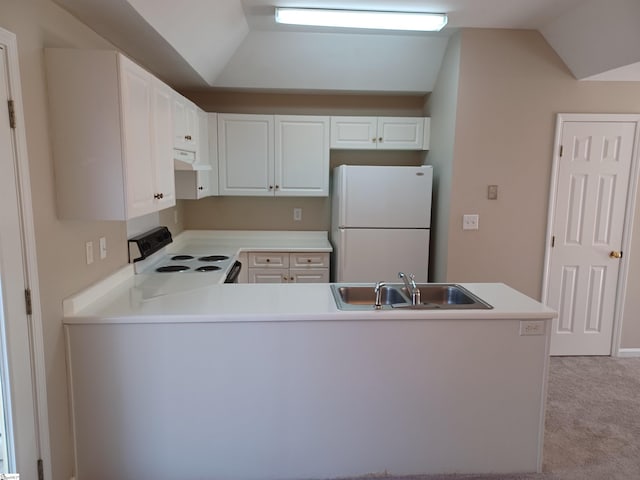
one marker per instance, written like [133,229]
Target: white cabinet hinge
[12,114]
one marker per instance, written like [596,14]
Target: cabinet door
[136,101]
[268,275]
[185,124]
[312,275]
[192,184]
[212,141]
[354,132]
[163,146]
[301,156]
[400,133]
[245,154]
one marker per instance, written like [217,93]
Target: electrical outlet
[532,327]
[470,222]
[103,248]
[89,252]
[297,214]
[492,192]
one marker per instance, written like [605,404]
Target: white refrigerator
[380,220]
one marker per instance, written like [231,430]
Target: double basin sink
[362,296]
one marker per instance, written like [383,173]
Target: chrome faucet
[378,291]
[412,288]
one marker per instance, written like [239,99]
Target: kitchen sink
[365,295]
[395,296]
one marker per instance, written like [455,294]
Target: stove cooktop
[186,263]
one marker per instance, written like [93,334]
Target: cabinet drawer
[309,259]
[269,259]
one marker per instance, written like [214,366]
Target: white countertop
[136,300]
[178,297]
[236,241]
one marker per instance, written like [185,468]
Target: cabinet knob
[308,260]
[380,139]
[270,187]
[268,260]
[277,187]
[187,137]
[374,140]
[200,188]
[158,196]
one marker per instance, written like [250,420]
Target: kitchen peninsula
[257,381]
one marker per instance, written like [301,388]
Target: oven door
[234,272]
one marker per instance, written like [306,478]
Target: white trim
[8,39]
[628,352]
[629,213]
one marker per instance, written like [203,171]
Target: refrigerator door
[382,196]
[377,255]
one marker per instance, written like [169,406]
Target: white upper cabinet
[267,155]
[112,127]
[185,124]
[301,156]
[245,154]
[199,179]
[381,133]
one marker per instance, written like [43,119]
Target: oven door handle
[234,272]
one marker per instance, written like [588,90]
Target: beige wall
[511,86]
[60,245]
[264,213]
[442,108]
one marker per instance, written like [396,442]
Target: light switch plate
[470,222]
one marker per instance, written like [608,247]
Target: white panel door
[302,156]
[587,228]
[366,255]
[386,197]
[246,154]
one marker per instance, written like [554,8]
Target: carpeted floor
[592,429]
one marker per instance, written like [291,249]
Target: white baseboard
[628,352]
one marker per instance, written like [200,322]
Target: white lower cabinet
[288,267]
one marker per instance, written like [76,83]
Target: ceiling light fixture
[424,22]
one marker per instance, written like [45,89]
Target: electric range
[149,255]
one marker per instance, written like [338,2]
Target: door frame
[628,216]
[36,341]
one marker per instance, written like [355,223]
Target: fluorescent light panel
[425,22]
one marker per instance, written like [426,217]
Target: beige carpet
[592,427]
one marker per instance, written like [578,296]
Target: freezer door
[383,197]
[374,255]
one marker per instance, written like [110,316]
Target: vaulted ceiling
[236,44]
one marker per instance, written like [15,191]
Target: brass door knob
[615,254]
